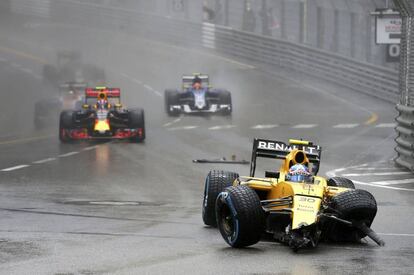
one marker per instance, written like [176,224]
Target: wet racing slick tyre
[341,182]
[171,98]
[240,216]
[355,205]
[137,121]
[216,182]
[225,98]
[65,123]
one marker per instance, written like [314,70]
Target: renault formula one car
[297,213]
[201,100]
[102,117]
[69,97]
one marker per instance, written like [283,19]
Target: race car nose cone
[102,126]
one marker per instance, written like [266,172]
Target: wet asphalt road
[121,208]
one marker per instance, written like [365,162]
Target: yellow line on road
[21,140]
[372,119]
[24,55]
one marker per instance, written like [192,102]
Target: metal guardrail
[405,118]
[359,76]
[405,138]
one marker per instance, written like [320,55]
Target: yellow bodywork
[302,199]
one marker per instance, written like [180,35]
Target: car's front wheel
[240,217]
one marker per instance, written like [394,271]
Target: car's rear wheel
[358,206]
[216,182]
[240,217]
[341,182]
[225,98]
[137,121]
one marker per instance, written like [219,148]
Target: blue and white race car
[196,96]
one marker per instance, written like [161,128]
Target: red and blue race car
[102,116]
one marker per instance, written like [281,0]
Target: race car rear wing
[279,150]
[109,92]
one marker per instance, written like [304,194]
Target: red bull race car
[102,116]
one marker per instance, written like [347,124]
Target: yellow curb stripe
[372,119]
[24,55]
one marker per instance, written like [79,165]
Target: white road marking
[68,154]
[38,77]
[383,186]
[222,127]
[265,126]
[132,79]
[396,234]
[376,168]
[14,168]
[182,128]
[376,174]
[116,203]
[90,148]
[304,126]
[27,70]
[172,122]
[385,125]
[148,87]
[391,182]
[43,161]
[332,173]
[13,64]
[346,126]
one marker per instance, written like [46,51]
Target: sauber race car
[293,205]
[69,97]
[102,116]
[196,96]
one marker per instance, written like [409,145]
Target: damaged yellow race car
[295,206]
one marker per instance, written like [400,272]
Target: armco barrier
[405,138]
[359,76]
[405,119]
[362,77]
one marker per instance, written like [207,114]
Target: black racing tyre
[137,121]
[216,182]
[225,98]
[341,182]
[65,123]
[240,216]
[355,205]
[171,98]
